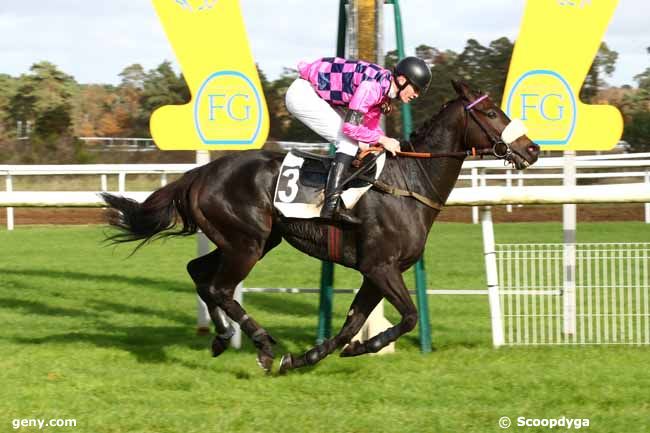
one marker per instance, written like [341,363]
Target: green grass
[90,334]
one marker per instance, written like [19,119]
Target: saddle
[299,192]
[315,169]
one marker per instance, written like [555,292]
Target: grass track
[87,333]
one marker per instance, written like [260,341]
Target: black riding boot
[333,191]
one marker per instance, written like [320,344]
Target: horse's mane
[424,131]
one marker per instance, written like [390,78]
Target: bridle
[495,139]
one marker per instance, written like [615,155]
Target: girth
[398,192]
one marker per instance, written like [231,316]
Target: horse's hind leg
[217,276]
[364,302]
[394,290]
[202,270]
[234,268]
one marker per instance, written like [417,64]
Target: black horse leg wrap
[314,355]
[256,333]
[376,343]
[227,335]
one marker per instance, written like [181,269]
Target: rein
[463,154]
[436,203]
[427,155]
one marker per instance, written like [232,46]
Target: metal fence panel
[611,294]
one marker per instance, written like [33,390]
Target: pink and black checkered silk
[336,79]
[355,84]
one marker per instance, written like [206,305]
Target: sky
[95,40]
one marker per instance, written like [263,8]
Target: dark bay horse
[231,201]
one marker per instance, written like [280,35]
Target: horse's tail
[156,215]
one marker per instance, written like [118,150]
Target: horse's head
[488,130]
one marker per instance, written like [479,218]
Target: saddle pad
[314,173]
[296,200]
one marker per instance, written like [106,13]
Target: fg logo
[228,109]
[544,101]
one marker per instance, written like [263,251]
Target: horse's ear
[462,89]
[456,85]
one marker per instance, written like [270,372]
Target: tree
[486,67]
[93,102]
[497,66]
[44,98]
[636,110]
[637,131]
[133,76]
[161,86]
[427,53]
[390,59]
[8,86]
[604,64]
[274,106]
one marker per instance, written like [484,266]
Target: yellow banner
[228,109]
[553,53]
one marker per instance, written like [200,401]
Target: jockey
[342,101]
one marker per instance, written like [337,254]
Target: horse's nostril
[533,149]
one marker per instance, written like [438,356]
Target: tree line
[44,110]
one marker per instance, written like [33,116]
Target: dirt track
[630,212]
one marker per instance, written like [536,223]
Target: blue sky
[94,41]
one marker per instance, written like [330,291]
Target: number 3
[292,184]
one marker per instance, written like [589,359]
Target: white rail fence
[103,171]
[613,168]
[625,168]
[610,303]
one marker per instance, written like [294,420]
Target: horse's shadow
[160,284]
[147,343]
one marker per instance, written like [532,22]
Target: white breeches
[303,102]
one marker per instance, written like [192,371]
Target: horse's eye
[492,114]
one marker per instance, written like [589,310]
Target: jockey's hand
[390,144]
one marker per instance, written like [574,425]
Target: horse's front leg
[389,280]
[364,302]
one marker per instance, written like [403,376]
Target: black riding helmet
[416,72]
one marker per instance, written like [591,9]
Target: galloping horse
[231,201]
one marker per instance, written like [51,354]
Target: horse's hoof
[265,362]
[286,363]
[355,348]
[219,345]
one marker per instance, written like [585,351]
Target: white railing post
[203,248]
[235,341]
[492,276]
[474,185]
[509,185]
[163,179]
[647,205]
[10,210]
[103,180]
[569,223]
[520,183]
[121,182]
